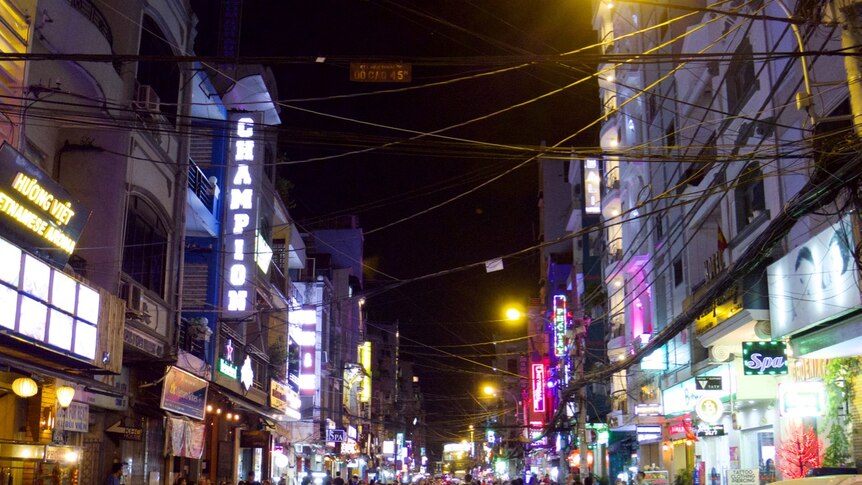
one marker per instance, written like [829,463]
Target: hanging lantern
[24,387]
[65,395]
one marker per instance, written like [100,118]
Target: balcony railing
[193,338]
[200,185]
[95,16]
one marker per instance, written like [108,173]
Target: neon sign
[241,219]
[539,388]
[225,364]
[37,213]
[560,321]
[592,187]
[306,337]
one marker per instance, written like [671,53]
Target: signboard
[744,476]
[74,418]
[335,435]
[815,281]
[46,306]
[184,393]
[35,211]
[707,383]
[246,374]
[648,432]
[801,399]
[710,430]
[709,409]
[648,409]
[240,224]
[723,307]
[381,72]
[304,329]
[759,358]
[278,395]
[389,448]
[682,397]
[560,322]
[285,399]
[131,433]
[538,388]
[592,187]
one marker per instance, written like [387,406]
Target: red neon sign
[539,388]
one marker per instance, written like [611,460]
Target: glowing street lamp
[513,314]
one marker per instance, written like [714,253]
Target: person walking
[338,480]
[113,478]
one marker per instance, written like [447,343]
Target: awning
[89,383]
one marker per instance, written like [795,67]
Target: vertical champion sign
[241,216]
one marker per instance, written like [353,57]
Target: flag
[492,265]
[722,242]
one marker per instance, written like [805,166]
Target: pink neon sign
[539,388]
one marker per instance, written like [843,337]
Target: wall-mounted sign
[46,306]
[561,318]
[709,409]
[648,432]
[184,393]
[303,327]
[284,399]
[676,429]
[745,476]
[131,433]
[723,307]
[335,435]
[707,383]
[36,212]
[710,430]
[225,363]
[76,417]
[801,399]
[389,448]
[655,360]
[682,397]
[648,409]
[815,281]
[538,381]
[592,187]
[769,358]
[246,374]
[241,215]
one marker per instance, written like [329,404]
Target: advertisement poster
[184,393]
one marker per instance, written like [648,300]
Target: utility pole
[580,364]
[850,41]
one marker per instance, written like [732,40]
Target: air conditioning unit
[133,295]
[146,99]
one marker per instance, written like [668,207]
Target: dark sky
[385,185]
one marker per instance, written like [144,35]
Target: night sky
[386,185]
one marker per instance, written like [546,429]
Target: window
[748,196]
[677,272]
[740,77]
[146,246]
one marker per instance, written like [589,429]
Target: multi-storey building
[725,180]
[150,308]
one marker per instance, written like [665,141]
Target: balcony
[95,16]
[200,185]
[200,199]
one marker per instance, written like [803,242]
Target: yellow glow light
[65,395]
[489,390]
[24,387]
[513,314]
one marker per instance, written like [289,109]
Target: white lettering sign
[760,363]
[240,218]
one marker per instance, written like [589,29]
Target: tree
[799,452]
[839,377]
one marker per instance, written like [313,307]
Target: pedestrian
[641,479]
[338,480]
[327,480]
[113,478]
[306,480]
[468,479]
[249,479]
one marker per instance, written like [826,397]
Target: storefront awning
[89,383]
